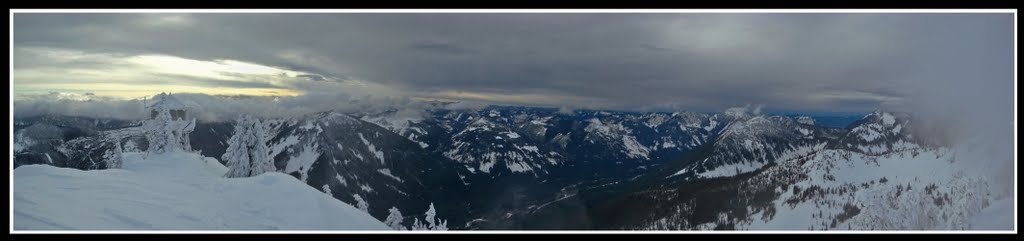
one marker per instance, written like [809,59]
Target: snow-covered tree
[431,223]
[417,225]
[160,136]
[167,129]
[113,157]
[441,224]
[361,204]
[130,146]
[394,219]
[431,214]
[247,153]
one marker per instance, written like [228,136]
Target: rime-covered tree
[130,146]
[247,153]
[159,133]
[394,219]
[361,204]
[431,213]
[440,224]
[432,222]
[168,126]
[264,163]
[417,225]
[113,156]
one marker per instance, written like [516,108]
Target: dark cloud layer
[836,62]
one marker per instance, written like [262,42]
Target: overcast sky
[697,61]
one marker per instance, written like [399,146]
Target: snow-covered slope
[875,177]
[881,132]
[401,122]
[998,216]
[919,189]
[174,191]
[922,189]
[828,186]
[731,170]
[76,142]
[484,144]
[539,142]
[360,163]
[750,142]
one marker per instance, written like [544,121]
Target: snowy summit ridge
[174,191]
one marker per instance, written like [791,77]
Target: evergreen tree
[431,223]
[430,214]
[417,225]
[247,153]
[130,146]
[113,157]
[394,219]
[361,204]
[261,161]
[159,134]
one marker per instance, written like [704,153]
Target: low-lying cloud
[216,108]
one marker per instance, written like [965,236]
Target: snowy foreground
[949,193]
[999,216]
[174,191]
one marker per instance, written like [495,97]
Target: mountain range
[506,167]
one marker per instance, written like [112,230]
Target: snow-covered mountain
[173,191]
[76,142]
[880,133]
[838,179]
[538,141]
[539,168]
[355,161]
[510,158]
[479,162]
[750,142]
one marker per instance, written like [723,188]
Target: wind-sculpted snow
[174,191]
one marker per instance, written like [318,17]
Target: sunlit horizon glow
[135,76]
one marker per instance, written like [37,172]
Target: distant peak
[166,101]
[806,120]
[737,112]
